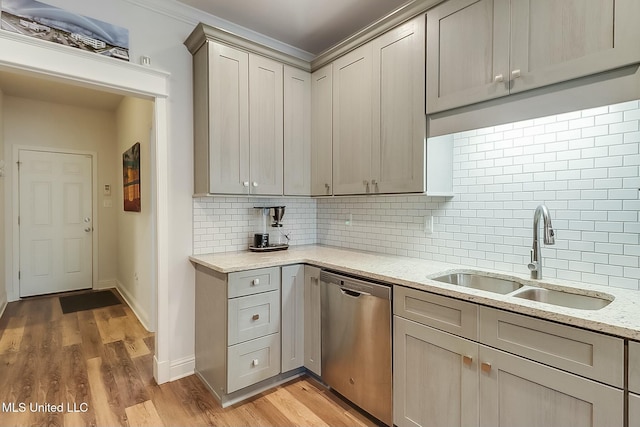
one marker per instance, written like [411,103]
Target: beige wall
[135,254]
[3,294]
[45,124]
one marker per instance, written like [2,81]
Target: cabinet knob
[87,229]
[255,362]
[515,74]
[467,360]
[245,184]
[255,282]
[255,317]
[486,367]
[255,184]
[327,186]
[499,78]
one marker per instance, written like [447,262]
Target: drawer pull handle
[256,317]
[467,360]
[255,282]
[486,367]
[255,362]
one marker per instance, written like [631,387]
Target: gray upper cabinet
[266,112]
[352,121]
[379,120]
[483,49]
[321,131]
[297,132]
[467,52]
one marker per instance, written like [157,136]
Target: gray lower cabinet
[515,391]
[634,384]
[237,328]
[312,320]
[293,326]
[634,410]
[435,377]
[445,379]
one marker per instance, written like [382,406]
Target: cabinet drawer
[252,362]
[447,314]
[634,366]
[253,316]
[581,352]
[254,281]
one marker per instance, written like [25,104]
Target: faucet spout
[548,237]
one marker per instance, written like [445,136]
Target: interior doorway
[55,222]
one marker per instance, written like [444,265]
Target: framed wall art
[131,178]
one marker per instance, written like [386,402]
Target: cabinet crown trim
[203,33]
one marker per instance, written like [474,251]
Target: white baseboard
[167,371]
[106,284]
[182,368]
[140,313]
[3,307]
[161,370]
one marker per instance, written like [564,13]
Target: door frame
[24,54]
[15,195]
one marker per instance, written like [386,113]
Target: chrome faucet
[549,239]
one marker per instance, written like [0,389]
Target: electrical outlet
[349,221]
[428,224]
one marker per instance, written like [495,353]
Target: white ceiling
[310,25]
[26,85]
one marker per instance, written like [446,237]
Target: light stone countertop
[621,317]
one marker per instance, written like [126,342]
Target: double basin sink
[513,287]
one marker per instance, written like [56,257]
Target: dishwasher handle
[356,286]
[352,293]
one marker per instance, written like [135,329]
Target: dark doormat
[88,301]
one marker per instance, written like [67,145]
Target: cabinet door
[519,392]
[312,320]
[435,377]
[554,41]
[229,120]
[321,131]
[634,366]
[297,132]
[634,410]
[292,332]
[266,125]
[399,120]
[467,53]
[352,126]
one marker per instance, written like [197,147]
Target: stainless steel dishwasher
[356,342]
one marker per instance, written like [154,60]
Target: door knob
[87,229]
[87,219]
[255,184]
[245,184]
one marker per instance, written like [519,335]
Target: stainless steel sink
[564,299]
[477,281]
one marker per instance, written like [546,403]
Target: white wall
[3,293]
[56,126]
[227,224]
[583,165]
[135,257]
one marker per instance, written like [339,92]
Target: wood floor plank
[286,403]
[317,402]
[136,348]
[132,390]
[70,329]
[104,396]
[77,390]
[91,339]
[143,415]
[111,328]
[271,415]
[12,335]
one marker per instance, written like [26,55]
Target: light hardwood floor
[99,362]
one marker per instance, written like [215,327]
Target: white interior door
[56,222]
